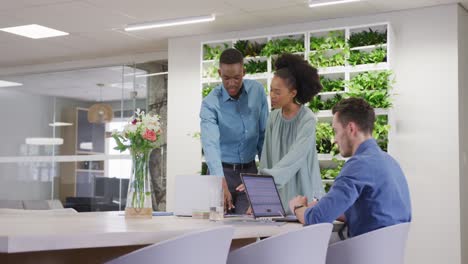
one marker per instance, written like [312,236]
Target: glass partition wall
[57,130]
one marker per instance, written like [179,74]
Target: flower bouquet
[141,135]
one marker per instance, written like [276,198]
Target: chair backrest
[109,188]
[99,189]
[11,204]
[36,205]
[384,246]
[207,247]
[55,204]
[307,245]
[80,204]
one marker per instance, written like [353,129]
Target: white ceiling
[96,26]
[96,30]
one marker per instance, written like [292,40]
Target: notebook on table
[264,198]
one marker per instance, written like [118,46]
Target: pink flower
[150,135]
[134,122]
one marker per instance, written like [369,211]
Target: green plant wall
[283,45]
[367,38]
[333,54]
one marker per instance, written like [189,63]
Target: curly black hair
[299,75]
[355,110]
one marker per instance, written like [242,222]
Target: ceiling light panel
[318,3]
[34,31]
[171,22]
[9,84]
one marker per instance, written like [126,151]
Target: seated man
[371,189]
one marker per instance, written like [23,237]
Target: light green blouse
[289,154]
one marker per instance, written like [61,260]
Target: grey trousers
[239,199]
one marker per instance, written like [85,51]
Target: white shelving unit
[330,181]
[344,71]
[369,47]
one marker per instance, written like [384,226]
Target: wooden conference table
[56,237]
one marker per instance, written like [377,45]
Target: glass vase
[139,204]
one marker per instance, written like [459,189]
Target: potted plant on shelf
[249,48]
[284,45]
[367,38]
[213,52]
[331,85]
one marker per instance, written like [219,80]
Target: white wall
[425,133]
[426,136]
[183,105]
[463,119]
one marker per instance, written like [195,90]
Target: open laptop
[264,198]
[191,193]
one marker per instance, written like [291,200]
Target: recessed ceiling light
[9,84]
[171,22]
[317,3]
[152,74]
[127,85]
[146,75]
[60,124]
[34,31]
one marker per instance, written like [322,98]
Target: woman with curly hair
[289,152]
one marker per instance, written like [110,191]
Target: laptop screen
[263,195]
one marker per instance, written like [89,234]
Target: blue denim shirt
[233,130]
[371,190]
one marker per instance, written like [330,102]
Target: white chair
[384,246]
[11,204]
[35,204]
[307,245]
[55,204]
[207,246]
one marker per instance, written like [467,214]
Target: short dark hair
[300,75]
[355,110]
[231,56]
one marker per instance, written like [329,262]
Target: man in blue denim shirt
[371,191]
[233,120]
